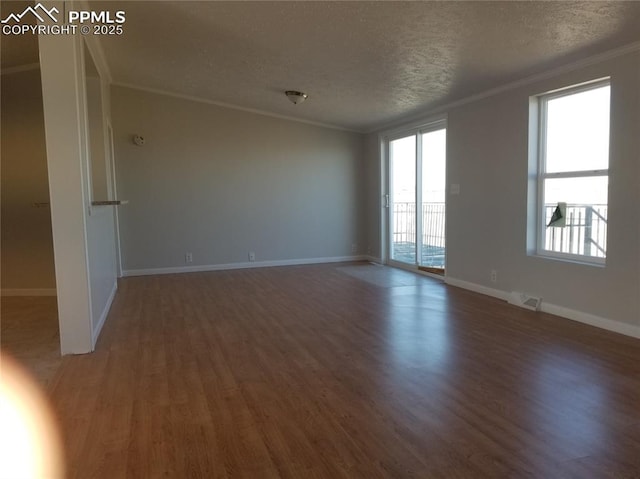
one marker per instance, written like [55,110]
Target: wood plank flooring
[344,371]
[29,332]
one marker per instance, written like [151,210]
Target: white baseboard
[103,316]
[567,313]
[30,292]
[244,265]
[591,319]
[477,288]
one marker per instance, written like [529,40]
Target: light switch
[455,189]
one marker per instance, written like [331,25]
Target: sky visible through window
[403,154]
[578,140]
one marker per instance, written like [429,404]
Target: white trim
[477,288]
[103,317]
[567,313]
[29,292]
[21,68]
[541,230]
[234,107]
[582,259]
[385,197]
[243,265]
[592,320]
[586,62]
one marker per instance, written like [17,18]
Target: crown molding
[577,65]
[234,107]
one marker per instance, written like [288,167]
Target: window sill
[569,258]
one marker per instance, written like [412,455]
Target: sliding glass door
[417,176]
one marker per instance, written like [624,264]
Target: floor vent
[525,301]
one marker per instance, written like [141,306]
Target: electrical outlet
[252,256]
[494,276]
[354,248]
[188,257]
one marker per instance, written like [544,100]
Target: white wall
[84,238]
[373,199]
[27,244]
[487,223]
[219,183]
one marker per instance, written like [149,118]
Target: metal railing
[433,233]
[585,232]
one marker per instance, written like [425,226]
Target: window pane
[578,131]
[585,232]
[434,162]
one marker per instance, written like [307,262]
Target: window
[573,172]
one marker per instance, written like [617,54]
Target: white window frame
[543,175]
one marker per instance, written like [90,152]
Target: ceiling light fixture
[296,96]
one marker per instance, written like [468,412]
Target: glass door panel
[433,179]
[402,156]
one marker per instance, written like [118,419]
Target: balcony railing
[433,235]
[585,232]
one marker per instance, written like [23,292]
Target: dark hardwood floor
[344,371]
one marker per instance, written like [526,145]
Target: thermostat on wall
[138,140]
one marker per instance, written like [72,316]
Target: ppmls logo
[100,23]
[17,17]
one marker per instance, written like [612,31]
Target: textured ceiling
[363,64]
